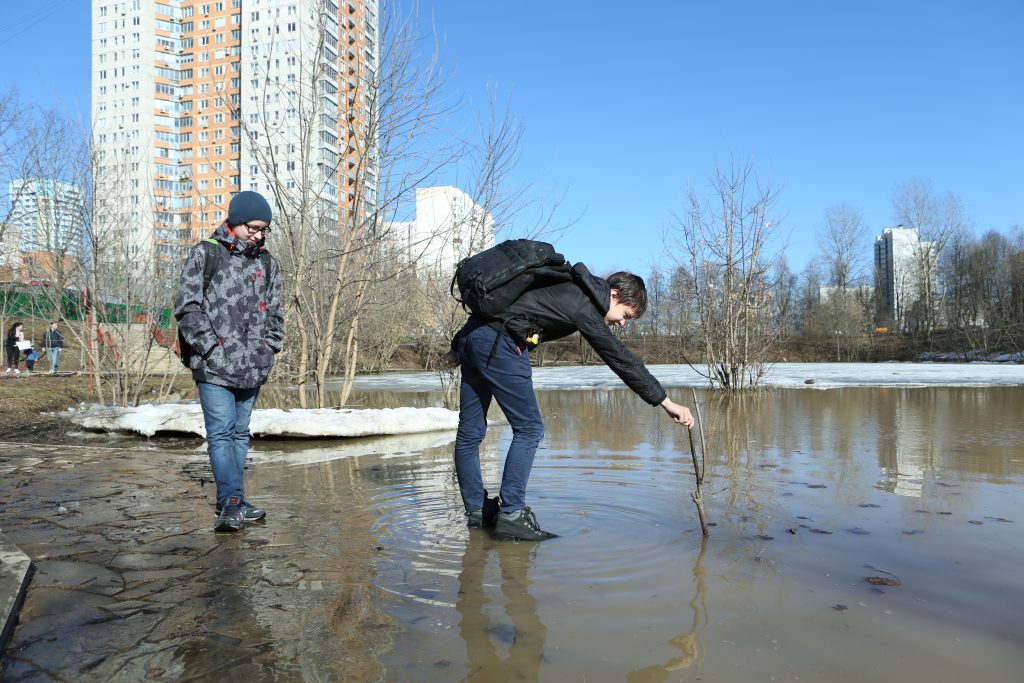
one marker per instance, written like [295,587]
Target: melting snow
[188,418]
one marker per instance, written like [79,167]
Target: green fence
[21,304]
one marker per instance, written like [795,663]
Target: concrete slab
[15,574]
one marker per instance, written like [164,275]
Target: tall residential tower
[902,261]
[194,100]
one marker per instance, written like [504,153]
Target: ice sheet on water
[188,418]
[825,376]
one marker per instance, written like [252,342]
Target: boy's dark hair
[632,291]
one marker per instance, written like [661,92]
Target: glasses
[253,230]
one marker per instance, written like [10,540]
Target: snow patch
[323,422]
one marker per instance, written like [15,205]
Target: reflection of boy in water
[496,363]
[524,637]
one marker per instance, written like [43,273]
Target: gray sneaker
[230,517]
[486,517]
[520,525]
[250,513]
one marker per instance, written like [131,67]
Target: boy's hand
[681,414]
[451,359]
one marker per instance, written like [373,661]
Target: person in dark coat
[14,335]
[495,364]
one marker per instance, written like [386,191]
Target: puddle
[630,592]
[845,547]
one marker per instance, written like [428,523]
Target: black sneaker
[485,518]
[250,513]
[230,517]
[520,525]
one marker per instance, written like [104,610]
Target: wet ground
[132,584]
[859,534]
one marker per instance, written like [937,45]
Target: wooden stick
[700,429]
[698,469]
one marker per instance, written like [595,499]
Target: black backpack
[490,281]
[214,252]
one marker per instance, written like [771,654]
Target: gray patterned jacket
[236,329]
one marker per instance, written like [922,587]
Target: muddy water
[859,534]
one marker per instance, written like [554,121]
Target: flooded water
[859,534]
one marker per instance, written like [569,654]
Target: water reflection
[691,643]
[805,487]
[504,637]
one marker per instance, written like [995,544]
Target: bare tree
[937,220]
[335,207]
[843,242]
[123,286]
[727,242]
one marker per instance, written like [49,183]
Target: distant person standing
[15,335]
[231,326]
[53,342]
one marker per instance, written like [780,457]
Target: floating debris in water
[882,581]
[763,560]
[911,532]
[791,531]
[975,521]
[816,486]
[868,505]
[945,513]
[860,532]
[999,519]
[821,531]
[949,486]
[840,607]
[765,537]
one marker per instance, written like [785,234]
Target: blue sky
[625,105]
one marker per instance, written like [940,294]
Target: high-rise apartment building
[45,225]
[899,269]
[196,100]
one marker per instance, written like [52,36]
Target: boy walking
[232,326]
[496,364]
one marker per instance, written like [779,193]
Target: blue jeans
[226,413]
[506,376]
[53,354]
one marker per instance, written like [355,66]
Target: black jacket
[558,310]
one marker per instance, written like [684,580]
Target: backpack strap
[210,246]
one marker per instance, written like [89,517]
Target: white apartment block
[899,269]
[448,226]
[194,101]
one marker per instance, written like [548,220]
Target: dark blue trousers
[505,376]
